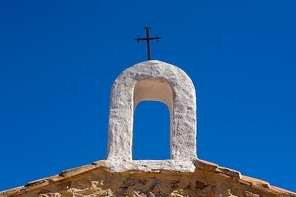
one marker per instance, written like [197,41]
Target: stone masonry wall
[208,180]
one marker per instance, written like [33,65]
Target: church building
[184,174]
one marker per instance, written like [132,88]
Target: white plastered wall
[157,81]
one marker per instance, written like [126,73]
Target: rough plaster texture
[156,81]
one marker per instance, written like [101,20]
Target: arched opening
[151,131]
[152,120]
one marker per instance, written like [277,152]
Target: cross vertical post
[148,42]
[148,38]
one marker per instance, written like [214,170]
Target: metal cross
[148,40]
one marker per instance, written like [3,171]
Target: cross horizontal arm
[139,39]
[148,38]
[151,38]
[155,38]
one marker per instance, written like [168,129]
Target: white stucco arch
[158,81]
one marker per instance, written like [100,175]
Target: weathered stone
[199,185]
[47,193]
[229,194]
[210,189]
[250,194]
[129,182]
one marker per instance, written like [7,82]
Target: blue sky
[58,60]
